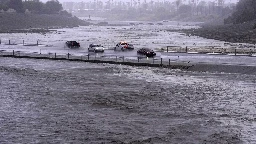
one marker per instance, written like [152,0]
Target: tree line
[245,12]
[33,6]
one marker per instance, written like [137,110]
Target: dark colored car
[147,52]
[72,44]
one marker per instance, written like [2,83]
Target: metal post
[37,42]
[9,42]
[116,58]
[13,52]
[169,62]
[68,55]
[88,57]
[186,49]
[23,42]
[40,51]
[235,52]
[123,58]
[167,48]
[153,60]
[138,59]
[161,61]
[55,55]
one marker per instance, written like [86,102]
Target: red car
[124,46]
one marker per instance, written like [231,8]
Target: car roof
[145,49]
[71,41]
[99,45]
[123,42]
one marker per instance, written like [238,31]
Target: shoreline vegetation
[234,33]
[36,23]
[42,23]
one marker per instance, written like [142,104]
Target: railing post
[123,58]
[138,59]
[13,52]
[167,48]
[37,42]
[169,62]
[9,42]
[68,55]
[55,55]
[116,58]
[88,57]
[186,49]
[23,42]
[161,61]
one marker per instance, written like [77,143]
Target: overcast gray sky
[233,1]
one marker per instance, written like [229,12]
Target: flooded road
[45,101]
[142,35]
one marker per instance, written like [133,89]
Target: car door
[118,46]
[90,47]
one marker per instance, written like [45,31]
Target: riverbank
[14,22]
[235,33]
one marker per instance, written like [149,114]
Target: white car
[95,48]
[124,46]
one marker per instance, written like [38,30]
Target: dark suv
[72,44]
[147,52]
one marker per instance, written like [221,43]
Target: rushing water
[45,101]
[143,35]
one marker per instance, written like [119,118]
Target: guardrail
[210,50]
[111,59]
[140,61]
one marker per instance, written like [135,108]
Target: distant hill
[12,21]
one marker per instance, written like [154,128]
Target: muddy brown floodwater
[45,101]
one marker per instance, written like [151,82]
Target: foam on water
[64,102]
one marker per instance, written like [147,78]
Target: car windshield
[95,45]
[147,50]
